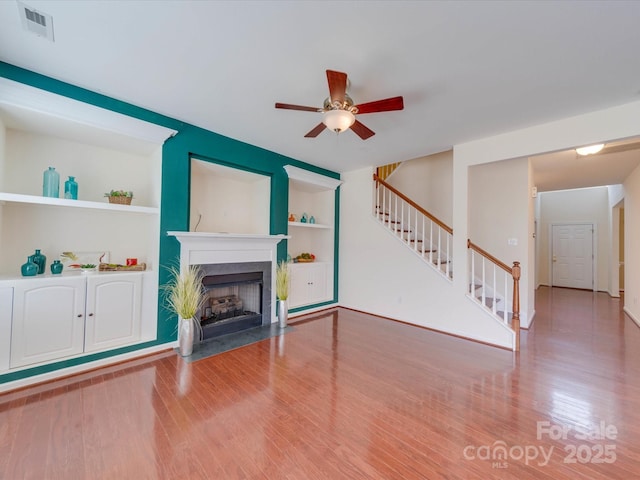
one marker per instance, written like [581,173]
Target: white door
[113,310]
[48,319]
[572,256]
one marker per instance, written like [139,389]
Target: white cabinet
[60,317]
[48,319]
[112,311]
[6,308]
[309,283]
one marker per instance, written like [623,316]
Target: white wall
[498,206]
[428,182]
[616,230]
[378,274]
[584,205]
[631,243]
[97,170]
[605,125]
[3,147]
[375,277]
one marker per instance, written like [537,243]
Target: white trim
[631,316]
[312,178]
[43,102]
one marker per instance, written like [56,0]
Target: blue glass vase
[71,188]
[29,269]
[40,260]
[56,267]
[51,183]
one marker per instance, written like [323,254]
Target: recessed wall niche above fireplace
[239,274]
[224,199]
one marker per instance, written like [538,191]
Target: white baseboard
[65,372]
[631,316]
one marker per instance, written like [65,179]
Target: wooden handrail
[514,271]
[486,254]
[442,225]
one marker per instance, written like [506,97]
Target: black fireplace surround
[237,297]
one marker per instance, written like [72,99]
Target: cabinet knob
[79,315]
[91,314]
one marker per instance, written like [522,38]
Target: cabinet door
[317,283]
[308,284]
[113,311]
[6,309]
[298,285]
[48,320]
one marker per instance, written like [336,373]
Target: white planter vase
[185,337]
[283,313]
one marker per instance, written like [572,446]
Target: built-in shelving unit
[313,194]
[105,151]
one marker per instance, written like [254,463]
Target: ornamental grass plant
[282,280]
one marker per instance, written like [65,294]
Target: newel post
[515,322]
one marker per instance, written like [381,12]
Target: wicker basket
[122,200]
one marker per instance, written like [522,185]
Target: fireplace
[236,297]
[239,272]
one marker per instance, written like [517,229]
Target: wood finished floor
[350,396]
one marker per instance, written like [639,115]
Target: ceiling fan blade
[362,131]
[337,85]
[386,105]
[316,131]
[288,106]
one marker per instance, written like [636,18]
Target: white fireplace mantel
[201,248]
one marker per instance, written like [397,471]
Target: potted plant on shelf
[123,197]
[184,297]
[282,292]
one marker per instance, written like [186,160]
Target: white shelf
[62,202]
[308,225]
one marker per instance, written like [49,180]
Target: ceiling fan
[340,111]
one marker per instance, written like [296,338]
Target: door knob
[554,258]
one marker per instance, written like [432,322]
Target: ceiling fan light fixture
[590,150]
[338,120]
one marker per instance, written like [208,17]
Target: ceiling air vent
[36,22]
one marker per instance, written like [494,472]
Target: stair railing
[495,288]
[426,235]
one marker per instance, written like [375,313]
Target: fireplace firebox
[236,295]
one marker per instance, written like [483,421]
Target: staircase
[494,286]
[429,238]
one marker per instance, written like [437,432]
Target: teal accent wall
[190,141]
[194,142]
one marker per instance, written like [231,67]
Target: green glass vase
[40,260]
[29,269]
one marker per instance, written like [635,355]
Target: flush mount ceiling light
[590,150]
[338,120]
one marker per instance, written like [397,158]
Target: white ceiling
[467,70]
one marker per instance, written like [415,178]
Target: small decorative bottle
[312,219]
[304,218]
[29,269]
[51,183]
[56,267]
[71,188]
[40,260]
